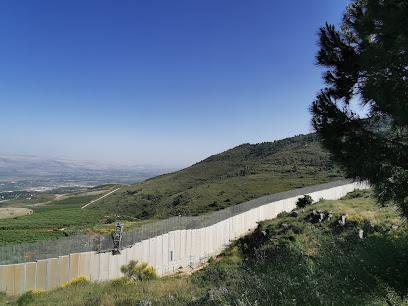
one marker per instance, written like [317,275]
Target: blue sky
[156,82]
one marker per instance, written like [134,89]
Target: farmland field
[54,220]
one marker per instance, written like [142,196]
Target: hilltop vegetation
[232,177]
[286,261]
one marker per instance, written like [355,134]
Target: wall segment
[167,252]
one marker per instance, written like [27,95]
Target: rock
[329,216]
[285,226]
[321,217]
[360,233]
[342,220]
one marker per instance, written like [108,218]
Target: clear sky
[156,82]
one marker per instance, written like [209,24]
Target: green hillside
[234,176]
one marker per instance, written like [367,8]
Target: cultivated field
[59,216]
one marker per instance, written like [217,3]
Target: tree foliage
[367,60]
[304,201]
[138,271]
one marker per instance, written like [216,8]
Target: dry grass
[12,212]
[165,291]
[310,244]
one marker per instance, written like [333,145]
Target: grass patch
[74,201]
[362,203]
[170,291]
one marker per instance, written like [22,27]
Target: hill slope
[234,176]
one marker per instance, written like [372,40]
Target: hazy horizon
[95,164]
[156,83]
[126,163]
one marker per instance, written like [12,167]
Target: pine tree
[367,60]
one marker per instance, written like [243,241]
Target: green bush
[305,201]
[28,297]
[138,271]
[77,281]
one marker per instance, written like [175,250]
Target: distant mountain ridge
[28,163]
[242,173]
[19,172]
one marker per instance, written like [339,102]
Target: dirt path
[105,195]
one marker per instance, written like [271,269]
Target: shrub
[305,201]
[138,271]
[110,219]
[211,260]
[355,219]
[77,281]
[28,297]
[122,282]
[283,214]
[359,193]
[232,255]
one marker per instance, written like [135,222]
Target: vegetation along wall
[167,252]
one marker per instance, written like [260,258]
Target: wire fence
[10,254]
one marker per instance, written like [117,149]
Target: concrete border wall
[167,252]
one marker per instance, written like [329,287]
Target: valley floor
[291,260]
